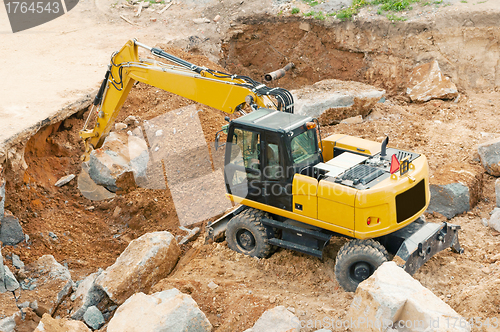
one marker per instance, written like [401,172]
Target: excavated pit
[92,234]
[373,51]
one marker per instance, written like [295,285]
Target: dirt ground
[445,131]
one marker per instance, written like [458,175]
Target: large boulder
[49,324]
[144,262]
[427,82]
[50,283]
[87,294]
[278,319]
[333,100]
[121,158]
[11,232]
[455,189]
[392,298]
[489,153]
[168,311]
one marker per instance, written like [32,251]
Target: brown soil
[93,234]
[55,152]
[256,50]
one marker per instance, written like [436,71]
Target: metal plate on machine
[330,169]
[347,160]
[340,164]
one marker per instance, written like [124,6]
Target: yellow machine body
[346,210]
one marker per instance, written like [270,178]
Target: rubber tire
[249,220]
[356,251]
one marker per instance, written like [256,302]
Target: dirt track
[446,131]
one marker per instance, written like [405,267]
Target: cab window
[304,147]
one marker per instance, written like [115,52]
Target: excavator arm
[219,90]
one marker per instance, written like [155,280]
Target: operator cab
[263,152]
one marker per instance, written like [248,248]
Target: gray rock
[90,190]
[11,232]
[391,295]
[8,324]
[449,199]
[350,98]
[484,221]
[427,82]
[64,180]
[190,235]
[53,236]
[34,305]
[145,261]
[169,310]
[495,221]
[278,319]
[93,318]
[87,294]
[120,126]
[23,305]
[10,281]
[17,262]
[131,120]
[52,281]
[120,155]
[489,153]
[497,191]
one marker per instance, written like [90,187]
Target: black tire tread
[253,217]
[368,247]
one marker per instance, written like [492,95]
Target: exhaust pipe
[277,74]
[383,150]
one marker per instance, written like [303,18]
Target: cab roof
[273,120]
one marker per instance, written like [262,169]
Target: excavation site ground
[254,38]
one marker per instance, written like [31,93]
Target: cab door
[276,185]
[243,164]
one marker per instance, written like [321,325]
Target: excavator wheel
[246,234]
[357,260]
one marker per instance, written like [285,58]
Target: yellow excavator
[291,187]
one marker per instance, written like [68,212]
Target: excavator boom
[216,89]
